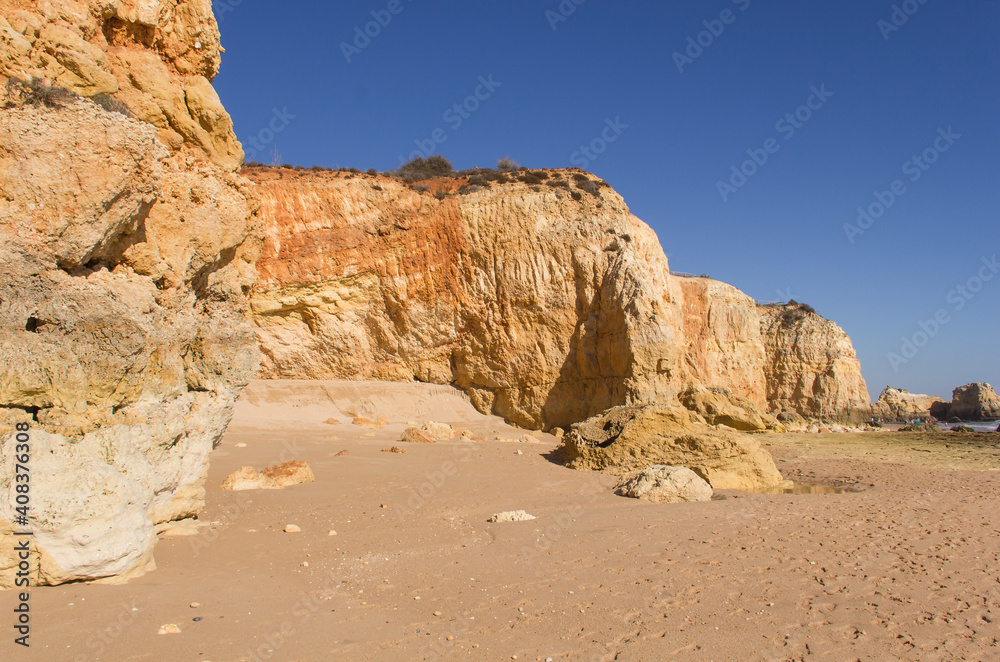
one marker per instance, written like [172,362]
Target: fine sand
[904,563]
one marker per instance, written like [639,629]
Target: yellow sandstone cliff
[546,309]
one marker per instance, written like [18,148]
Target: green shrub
[376,187]
[577,195]
[562,183]
[541,174]
[530,178]
[421,188]
[589,187]
[477,180]
[507,164]
[440,195]
[466,189]
[581,177]
[372,171]
[421,168]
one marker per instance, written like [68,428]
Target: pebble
[169,628]
[196,619]
[305,564]
[194,605]
[241,445]
[518,453]
[332,533]
[291,528]
[450,638]
[437,613]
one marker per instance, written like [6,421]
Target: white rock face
[665,484]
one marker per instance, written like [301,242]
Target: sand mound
[624,439]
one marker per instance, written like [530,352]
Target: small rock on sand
[292,528]
[343,453]
[332,421]
[247,478]
[393,449]
[416,436]
[295,472]
[437,431]
[169,628]
[511,516]
[377,424]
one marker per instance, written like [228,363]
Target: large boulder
[665,484]
[629,438]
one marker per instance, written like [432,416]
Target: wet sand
[902,564]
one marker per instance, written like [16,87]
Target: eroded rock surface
[126,260]
[899,405]
[972,402]
[625,439]
[661,483]
[544,308]
[811,367]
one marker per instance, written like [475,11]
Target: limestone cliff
[811,368]
[545,308]
[128,242]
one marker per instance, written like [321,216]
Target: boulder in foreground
[661,483]
[625,439]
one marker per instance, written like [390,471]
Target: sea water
[979,426]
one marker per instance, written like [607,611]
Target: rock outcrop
[128,241]
[544,308]
[626,439]
[972,402]
[896,405]
[811,368]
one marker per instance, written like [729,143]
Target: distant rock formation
[546,309]
[972,402]
[127,252]
[811,368]
[895,405]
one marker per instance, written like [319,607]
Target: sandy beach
[902,563]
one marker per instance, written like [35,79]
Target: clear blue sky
[778,234]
